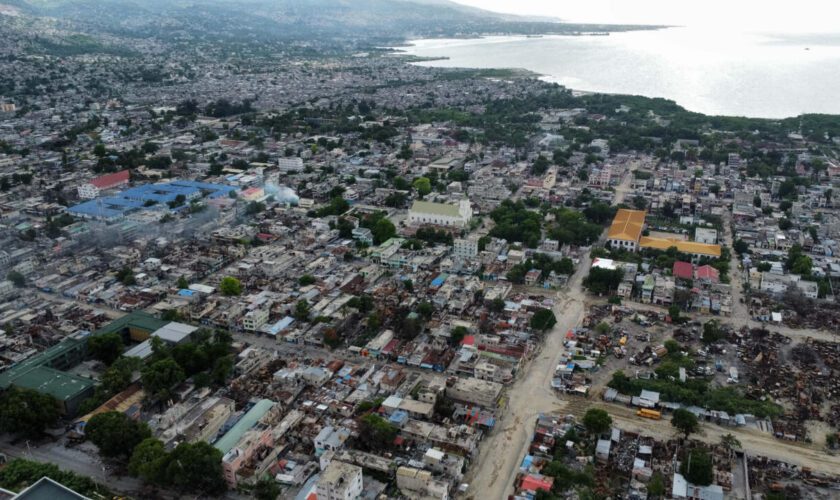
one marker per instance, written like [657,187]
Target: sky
[803,16]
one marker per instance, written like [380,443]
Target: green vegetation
[697,467]
[515,223]
[115,434]
[597,421]
[27,413]
[19,474]
[603,280]
[685,421]
[230,286]
[375,433]
[106,347]
[698,392]
[193,467]
[543,320]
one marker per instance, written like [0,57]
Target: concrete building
[91,190]
[626,233]
[255,319]
[440,214]
[472,390]
[418,483]
[465,248]
[706,235]
[626,229]
[340,481]
[290,164]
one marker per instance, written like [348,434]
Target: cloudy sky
[749,15]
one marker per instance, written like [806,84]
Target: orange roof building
[625,233]
[626,229]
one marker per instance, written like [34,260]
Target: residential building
[340,481]
[255,319]
[290,164]
[465,248]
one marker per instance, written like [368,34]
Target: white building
[292,163]
[340,481]
[465,248]
[255,319]
[7,289]
[440,214]
[706,235]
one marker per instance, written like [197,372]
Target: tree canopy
[26,412]
[115,434]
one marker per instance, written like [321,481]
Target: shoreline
[402,50]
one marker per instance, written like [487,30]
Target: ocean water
[720,72]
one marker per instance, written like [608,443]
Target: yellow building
[626,234]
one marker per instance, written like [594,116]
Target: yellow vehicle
[651,414]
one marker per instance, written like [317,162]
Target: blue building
[148,197]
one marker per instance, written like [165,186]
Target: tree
[196,467]
[674,313]
[182,283]
[302,309]
[100,150]
[266,489]
[161,376]
[17,279]
[106,347]
[148,460]
[711,332]
[543,319]
[597,421]
[656,486]
[423,186]
[383,230]
[457,334]
[697,468]
[230,286]
[639,202]
[115,434]
[685,421]
[306,280]
[375,433]
[730,442]
[26,412]
[19,474]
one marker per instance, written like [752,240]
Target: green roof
[137,319]
[231,437]
[428,207]
[43,358]
[62,386]
[47,489]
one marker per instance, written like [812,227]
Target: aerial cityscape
[280,249]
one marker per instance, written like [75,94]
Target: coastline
[687,87]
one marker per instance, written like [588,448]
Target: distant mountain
[278,19]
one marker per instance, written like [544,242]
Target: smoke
[281,194]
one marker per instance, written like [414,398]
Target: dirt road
[493,475]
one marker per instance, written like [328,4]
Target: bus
[651,414]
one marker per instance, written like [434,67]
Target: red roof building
[683,270]
[535,483]
[708,274]
[110,181]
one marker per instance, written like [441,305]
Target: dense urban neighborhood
[330,273]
